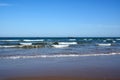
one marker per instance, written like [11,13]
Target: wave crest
[55,56]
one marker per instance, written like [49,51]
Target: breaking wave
[9,40]
[27,40]
[9,46]
[55,56]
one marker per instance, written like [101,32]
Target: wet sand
[74,68]
[60,78]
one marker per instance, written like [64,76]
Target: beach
[78,68]
[59,39]
[62,78]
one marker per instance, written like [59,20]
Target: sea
[45,47]
[96,57]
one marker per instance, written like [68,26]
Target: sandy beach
[60,78]
[78,68]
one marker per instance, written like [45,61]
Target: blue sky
[60,18]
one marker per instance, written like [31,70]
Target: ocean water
[16,47]
[60,56]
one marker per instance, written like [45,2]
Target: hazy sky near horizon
[79,18]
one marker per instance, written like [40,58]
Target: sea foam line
[10,40]
[33,40]
[55,56]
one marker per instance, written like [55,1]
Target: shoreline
[60,78]
[78,68]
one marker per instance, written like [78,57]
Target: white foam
[85,39]
[67,43]
[59,55]
[60,46]
[10,46]
[25,43]
[101,54]
[104,44]
[27,40]
[9,40]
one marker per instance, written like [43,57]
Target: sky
[59,18]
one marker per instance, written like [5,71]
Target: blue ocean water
[70,56]
[23,47]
